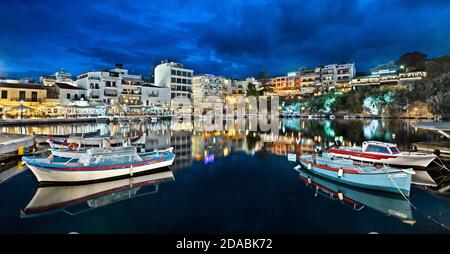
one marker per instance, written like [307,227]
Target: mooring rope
[398,188]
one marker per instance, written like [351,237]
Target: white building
[155,99]
[111,87]
[176,77]
[70,95]
[60,76]
[337,76]
[209,89]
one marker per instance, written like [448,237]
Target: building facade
[387,74]
[116,86]
[176,77]
[155,99]
[208,90]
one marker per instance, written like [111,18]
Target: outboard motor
[318,150]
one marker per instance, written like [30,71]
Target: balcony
[26,99]
[110,94]
[131,93]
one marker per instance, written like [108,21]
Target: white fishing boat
[104,141]
[97,164]
[75,142]
[361,175]
[384,153]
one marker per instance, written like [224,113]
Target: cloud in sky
[231,38]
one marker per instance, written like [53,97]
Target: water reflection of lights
[208,159]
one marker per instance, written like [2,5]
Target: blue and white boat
[350,172]
[98,164]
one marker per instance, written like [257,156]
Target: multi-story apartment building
[176,77]
[344,74]
[286,86]
[237,89]
[307,80]
[279,83]
[209,89]
[112,87]
[387,74]
[337,76]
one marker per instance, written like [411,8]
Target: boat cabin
[380,147]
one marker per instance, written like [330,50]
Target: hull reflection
[61,198]
[389,204]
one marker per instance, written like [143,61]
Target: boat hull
[46,175]
[415,160]
[390,182]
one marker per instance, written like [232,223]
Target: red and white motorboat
[384,153]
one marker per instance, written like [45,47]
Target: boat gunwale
[116,166]
[351,171]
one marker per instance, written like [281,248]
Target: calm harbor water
[232,181]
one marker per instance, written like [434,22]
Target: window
[34,96]
[377,149]
[75,97]
[22,95]
[68,96]
[4,94]
[178,80]
[173,72]
[394,150]
[183,81]
[174,80]
[178,73]
[184,74]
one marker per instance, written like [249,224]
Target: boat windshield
[377,149]
[394,150]
[118,155]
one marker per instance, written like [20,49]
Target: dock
[10,144]
[442,128]
[440,147]
[35,121]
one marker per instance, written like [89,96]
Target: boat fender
[297,167]
[340,196]
[340,172]
[309,166]
[309,180]
[72,146]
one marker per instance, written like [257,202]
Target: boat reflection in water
[83,198]
[390,204]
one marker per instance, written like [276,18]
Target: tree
[412,60]
[251,90]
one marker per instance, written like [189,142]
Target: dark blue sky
[232,38]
